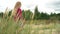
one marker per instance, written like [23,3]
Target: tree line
[37,15]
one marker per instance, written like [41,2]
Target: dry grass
[29,26]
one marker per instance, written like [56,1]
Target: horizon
[46,6]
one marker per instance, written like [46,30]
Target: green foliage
[44,16]
[36,13]
[23,13]
[53,14]
[58,16]
[1,14]
[10,13]
[27,14]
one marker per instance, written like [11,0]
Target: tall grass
[9,26]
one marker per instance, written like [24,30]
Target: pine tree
[36,13]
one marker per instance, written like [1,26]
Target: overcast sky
[47,6]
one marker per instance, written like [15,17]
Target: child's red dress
[18,14]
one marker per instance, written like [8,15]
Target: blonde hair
[17,5]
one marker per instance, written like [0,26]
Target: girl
[17,12]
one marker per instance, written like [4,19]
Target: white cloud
[26,4]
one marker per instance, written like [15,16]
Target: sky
[46,6]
